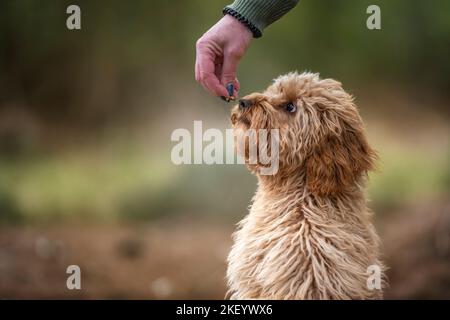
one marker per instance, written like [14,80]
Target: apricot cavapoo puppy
[308,234]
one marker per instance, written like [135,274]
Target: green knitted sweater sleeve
[258,14]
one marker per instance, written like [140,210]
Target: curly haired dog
[308,234]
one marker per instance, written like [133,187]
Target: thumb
[229,68]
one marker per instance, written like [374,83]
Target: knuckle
[228,77]
[236,52]
[200,44]
[203,76]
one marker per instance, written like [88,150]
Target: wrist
[249,27]
[258,14]
[237,27]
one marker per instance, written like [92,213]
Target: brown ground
[179,259]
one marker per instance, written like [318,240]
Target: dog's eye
[290,107]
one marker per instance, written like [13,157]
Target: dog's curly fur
[309,233]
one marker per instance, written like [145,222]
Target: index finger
[204,73]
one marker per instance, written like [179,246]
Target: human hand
[218,53]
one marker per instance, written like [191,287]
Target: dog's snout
[244,103]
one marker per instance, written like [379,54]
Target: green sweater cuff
[258,14]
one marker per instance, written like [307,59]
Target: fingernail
[225,99]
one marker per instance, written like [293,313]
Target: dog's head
[320,131]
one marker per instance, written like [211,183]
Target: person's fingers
[205,71]
[212,85]
[210,82]
[197,68]
[230,63]
[197,73]
[218,70]
[237,85]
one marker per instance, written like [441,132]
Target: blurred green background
[85,123]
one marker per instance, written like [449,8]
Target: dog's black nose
[244,103]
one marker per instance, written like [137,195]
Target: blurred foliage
[407,174]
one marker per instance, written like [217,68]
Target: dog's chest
[270,240]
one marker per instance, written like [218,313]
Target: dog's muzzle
[238,115]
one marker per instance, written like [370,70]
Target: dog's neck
[283,184]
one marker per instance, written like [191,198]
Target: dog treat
[230,89]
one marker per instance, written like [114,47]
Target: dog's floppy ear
[338,161]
